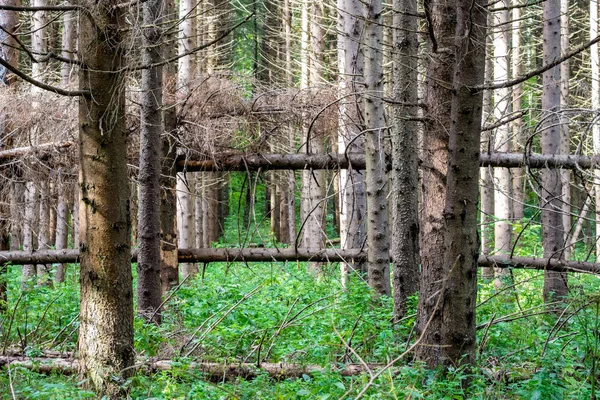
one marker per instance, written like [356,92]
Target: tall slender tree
[555,283]
[376,181]
[350,140]
[148,265]
[405,203]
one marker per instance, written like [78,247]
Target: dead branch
[215,372]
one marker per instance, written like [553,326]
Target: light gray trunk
[62,225]
[352,186]
[517,125]
[502,176]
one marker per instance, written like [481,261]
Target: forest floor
[280,313]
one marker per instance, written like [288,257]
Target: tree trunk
[405,158]
[29,271]
[44,240]
[564,148]
[378,265]
[8,45]
[456,290]
[442,16]
[312,203]
[169,265]
[69,37]
[555,284]
[350,68]
[519,138]
[502,176]
[486,175]
[62,225]
[151,128]
[185,181]
[185,219]
[595,78]
[106,320]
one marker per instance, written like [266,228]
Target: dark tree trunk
[461,243]
[405,159]
[148,265]
[169,267]
[106,319]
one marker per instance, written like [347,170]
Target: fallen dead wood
[42,150]
[211,371]
[537,161]
[263,254]
[298,161]
[539,264]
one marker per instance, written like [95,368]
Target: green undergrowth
[280,313]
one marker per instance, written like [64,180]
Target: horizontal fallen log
[215,372]
[333,161]
[43,150]
[254,254]
[265,162]
[539,264]
[538,161]
[264,254]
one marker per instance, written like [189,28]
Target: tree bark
[461,245]
[555,284]
[517,125]
[169,265]
[350,67]
[62,225]
[441,45]
[106,319]
[151,121]
[405,158]
[502,176]
[378,264]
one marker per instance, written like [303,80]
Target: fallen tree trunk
[263,254]
[265,162]
[300,161]
[42,150]
[539,264]
[297,161]
[214,372]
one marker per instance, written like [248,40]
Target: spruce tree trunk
[595,89]
[519,137]
[169,264]
[438,97]
[106,350]
[148,265]
[555,283]
[446,314]
[461,245]
[185,181]
[486,174]
[62,225]
[69,37]
[378,265]
[564,148]
[405,158]
[502,176]
[352,186]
